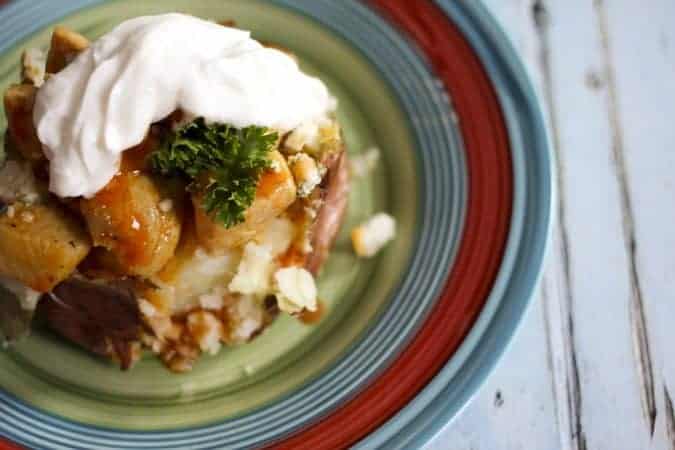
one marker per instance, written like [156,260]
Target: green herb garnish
[223,162]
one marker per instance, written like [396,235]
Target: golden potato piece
[65,46]
[138,220]
[276,191]
[40,245]
[18,102]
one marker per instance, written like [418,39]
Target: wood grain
[569,396]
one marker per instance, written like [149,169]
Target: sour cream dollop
[103,102]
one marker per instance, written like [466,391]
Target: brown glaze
[131,249]
[313,317]
[269,182]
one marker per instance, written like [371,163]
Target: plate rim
[423,411]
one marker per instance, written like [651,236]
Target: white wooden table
[593,366]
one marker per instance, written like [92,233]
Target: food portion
[166,194]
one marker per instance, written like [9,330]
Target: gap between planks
[641,349]
[568,397]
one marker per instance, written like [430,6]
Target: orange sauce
[292,257]
[269,182]
[313,317]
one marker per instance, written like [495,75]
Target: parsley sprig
[221,161]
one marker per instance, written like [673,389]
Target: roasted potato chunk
[65,46]
[18,101]
[276,191]
[40,245]
[137,220]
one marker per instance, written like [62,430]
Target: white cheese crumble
[257,262]
[305,172]
[135,224]
[254,270]
[371,236]
[296,290]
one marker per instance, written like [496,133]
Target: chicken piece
[128,218]
[276,192]
[18,101]
[65,46]
[40,245]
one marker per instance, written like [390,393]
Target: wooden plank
[639,61]
[603,295]
[516,407]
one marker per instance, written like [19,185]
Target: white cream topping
[104,101]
